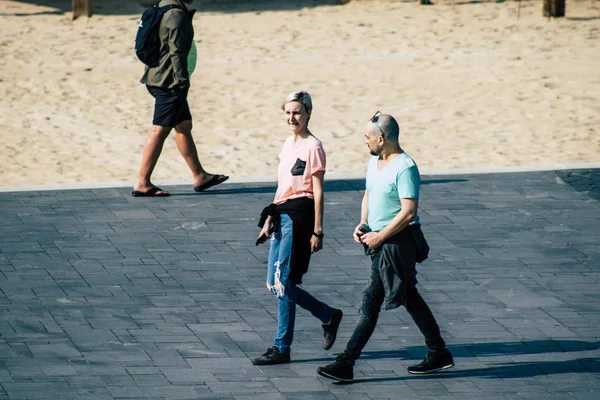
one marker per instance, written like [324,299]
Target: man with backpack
[168,36]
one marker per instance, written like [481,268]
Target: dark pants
[373,297]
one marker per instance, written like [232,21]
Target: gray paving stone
[126,392]
[39,390]
[94,393]
[54,350]
[240,388]
[314,395]
[106,296]
[58,368]
[261,396]
[170,392]
[584,395]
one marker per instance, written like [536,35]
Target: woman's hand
[316,244]
[264,232]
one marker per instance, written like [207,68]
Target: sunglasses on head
[375,119]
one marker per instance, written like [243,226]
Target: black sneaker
[433,363]
[340,370]
[271,357]
[330,329]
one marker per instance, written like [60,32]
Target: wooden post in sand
[82,7]
[554,8]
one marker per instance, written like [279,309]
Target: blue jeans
[287,292]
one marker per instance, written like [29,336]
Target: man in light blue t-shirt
[387,184]
[389,230]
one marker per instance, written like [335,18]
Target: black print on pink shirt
[298,168]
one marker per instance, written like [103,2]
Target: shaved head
[382,135]
[387,126]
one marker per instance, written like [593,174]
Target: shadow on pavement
[495,348]
[441,181]
[502,370]
[585,181]
[505,371]
[342,185]
[481,350]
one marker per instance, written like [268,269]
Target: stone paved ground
[105,296]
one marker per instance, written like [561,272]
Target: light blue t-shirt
[399,179]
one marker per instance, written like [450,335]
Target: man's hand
[358,233]
[372,239]
[316,244]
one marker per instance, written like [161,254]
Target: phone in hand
[261,239]
[364,228]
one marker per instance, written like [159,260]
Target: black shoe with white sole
[271,357]
[340,370]
[433,362]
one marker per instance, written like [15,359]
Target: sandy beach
[471,84]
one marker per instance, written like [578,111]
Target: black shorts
[170,106]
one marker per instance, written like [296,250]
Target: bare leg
[187,148]
[150,155]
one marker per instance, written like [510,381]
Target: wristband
[318,235]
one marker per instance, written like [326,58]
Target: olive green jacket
[176,34]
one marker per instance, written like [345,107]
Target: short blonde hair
[302,98]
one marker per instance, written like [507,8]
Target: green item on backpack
[191,59]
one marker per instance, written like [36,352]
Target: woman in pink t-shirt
[295,223]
